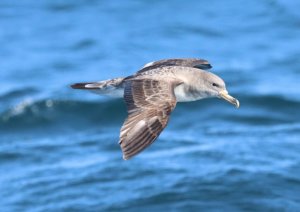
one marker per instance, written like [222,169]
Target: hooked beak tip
[237,103]
[224,95]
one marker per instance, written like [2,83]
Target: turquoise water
[59,147]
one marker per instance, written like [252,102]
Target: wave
[42,113]
[45,112]
[17,93]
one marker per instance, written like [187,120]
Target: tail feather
[84,85]
[111,87]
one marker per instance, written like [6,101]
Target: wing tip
[203,66]
[125,157]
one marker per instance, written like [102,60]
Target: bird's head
[215,87]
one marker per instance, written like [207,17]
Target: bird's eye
[215,85]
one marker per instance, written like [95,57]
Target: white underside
[112,92]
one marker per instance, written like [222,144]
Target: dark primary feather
[149,104]
[186,62]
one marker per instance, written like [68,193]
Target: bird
[151,94]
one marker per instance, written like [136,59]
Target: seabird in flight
[151,95]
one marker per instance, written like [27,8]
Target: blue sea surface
[59,147]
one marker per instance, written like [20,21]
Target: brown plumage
[149,105]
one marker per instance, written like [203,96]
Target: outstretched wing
[186,62]
[149,105]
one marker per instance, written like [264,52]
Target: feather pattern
[149,105]
[192,63]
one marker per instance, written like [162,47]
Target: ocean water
[59,147]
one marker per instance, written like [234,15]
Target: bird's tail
[112,87]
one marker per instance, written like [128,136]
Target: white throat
[185,95]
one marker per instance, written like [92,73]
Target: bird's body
[152,93]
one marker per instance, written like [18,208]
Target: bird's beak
[224,95]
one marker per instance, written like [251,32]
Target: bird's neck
[187,93]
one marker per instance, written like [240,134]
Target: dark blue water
[59,147]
